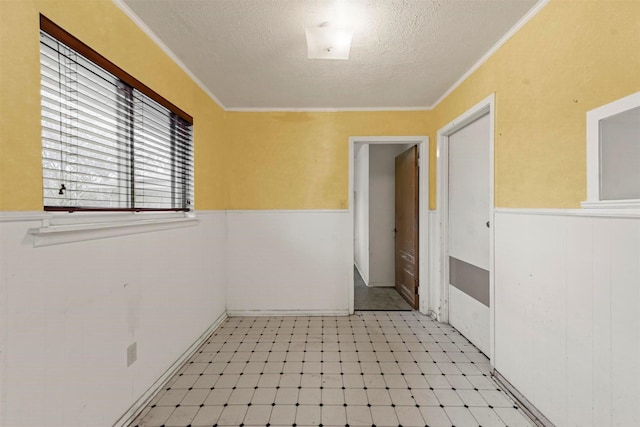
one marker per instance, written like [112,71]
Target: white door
[468,231]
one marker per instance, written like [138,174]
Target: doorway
[465,203]
[395,146]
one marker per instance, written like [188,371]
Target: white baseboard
[237,313]
[381,285]
[142,402]
[527,407]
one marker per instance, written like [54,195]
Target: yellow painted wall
[300,160]
[571,57]
[103,26]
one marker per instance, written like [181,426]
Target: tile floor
[369,369]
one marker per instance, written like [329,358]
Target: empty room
[198,199]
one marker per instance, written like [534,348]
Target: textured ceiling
[252,53]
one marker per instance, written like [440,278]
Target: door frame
[485,106]
[423,208]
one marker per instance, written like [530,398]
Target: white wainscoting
[68,313]
[567,313]
[289,262]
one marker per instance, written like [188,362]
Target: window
[613,154]
[109,143]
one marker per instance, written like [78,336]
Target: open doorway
[372,168]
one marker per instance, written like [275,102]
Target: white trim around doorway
[485,106]
[423,207]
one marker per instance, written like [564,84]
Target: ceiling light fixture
[328,42]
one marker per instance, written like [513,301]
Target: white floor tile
[308,415]
[227,381]
[513,417]
[395,381]
[359,416]
[416,381]
[409,416]
[232,415]
[409,367]
[448,397]
[240,396]
[496,398]
[286,396]
[257,415]
[283,415]
[355,397]
[311,380]
[157,416]
[487,417]
[248,381]
[401,397]
[459,382]
[263,396]
[438,381]
[481,382]
[425,397]
[207,416]
[332,396]
[378,397]
[331,380]
[461,417]
[182,416]
[184,381]
[218,396]
[333,415]
[310,396]
[195,397]
[172,397]
[268,381]
[435,417]
[374,381]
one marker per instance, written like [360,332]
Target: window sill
[611,204]
[77,227]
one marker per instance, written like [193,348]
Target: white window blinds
[106,145]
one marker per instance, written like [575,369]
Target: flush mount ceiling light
[328,42]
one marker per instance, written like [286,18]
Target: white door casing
[441,290]
[468,237]
[423,164]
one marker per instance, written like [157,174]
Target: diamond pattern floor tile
[370,369]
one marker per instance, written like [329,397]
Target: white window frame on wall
[594,117]
[68,224]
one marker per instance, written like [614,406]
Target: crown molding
[140,23]
[321,110]
[512,31]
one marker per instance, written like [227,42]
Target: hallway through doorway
[376,298]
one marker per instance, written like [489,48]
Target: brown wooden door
[407,225]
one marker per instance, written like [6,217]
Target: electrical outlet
[132,354]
